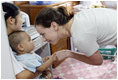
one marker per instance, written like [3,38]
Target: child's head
[21,42]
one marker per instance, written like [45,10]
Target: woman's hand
[54,57]
[62,54]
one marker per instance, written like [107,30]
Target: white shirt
[16,65]
[93,28]
[30,60]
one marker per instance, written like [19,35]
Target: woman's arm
[25,74]
[95,59]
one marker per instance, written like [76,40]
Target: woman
[14,23]
[89,29]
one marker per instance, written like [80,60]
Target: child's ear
[54,26]
[20,47]
[11,20]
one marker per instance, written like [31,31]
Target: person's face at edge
[48,34]
[19,21]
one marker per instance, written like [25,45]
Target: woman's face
[14,24]
[48,34]
[19,22]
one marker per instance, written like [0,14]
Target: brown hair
[60,15]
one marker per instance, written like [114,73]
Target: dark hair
[10,10]
[15,38]
[60,15]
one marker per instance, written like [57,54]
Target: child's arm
[46,73]
[45,65]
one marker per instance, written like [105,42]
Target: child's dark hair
[10,10]
[15,39]
[59,15]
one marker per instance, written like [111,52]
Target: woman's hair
[10,10]
[59,15]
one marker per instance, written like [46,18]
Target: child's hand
[46,58]
[47,74]
[62,54]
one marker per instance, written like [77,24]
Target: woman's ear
[54,26]
[20,47]
[11,20]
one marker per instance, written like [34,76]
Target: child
[21,43]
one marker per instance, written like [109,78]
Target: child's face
[27,43]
